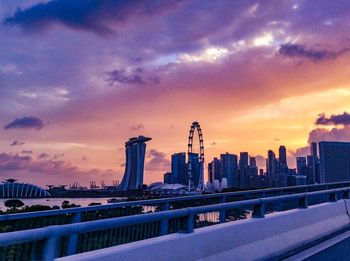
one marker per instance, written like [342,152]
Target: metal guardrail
[164,202]
[51,235]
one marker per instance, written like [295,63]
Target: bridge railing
[76,214]
[114,231]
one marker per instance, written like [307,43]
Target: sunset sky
[79,77]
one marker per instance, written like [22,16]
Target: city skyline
[255,75]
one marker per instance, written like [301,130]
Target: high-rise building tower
[270,168]
[301,165]
[179,169]
[135,150]
[314,164]
[244,170]
[196,168]
[283,166]
[313,149]
[214,170]
[334,161]
[282,155]
[252,162]
[167,178]
[229,169]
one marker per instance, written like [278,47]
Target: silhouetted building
[296,180]
[167,178]
[179,169]
[10,188]
[313,149]
[229,169]
[253,181]
[244,170]
[282,155]
[135,150]
[271,168]
[195,168]
[214,171]
[314,164]
[301,165]
[334,161]
[311,169]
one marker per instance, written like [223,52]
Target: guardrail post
[190,223]
[50,248]
[222,212]
[73,239]
[332,197]
[346,194]
[303,202]
[164,224]
[259,210]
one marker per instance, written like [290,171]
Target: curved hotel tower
[135,150]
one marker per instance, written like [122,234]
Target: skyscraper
[311,169]
[196,168]
[334,161]
[243,170]
[283,167]
[270,168]
[229,169]
[313,149]
[282,155]
[179,169]
[167,178]
[301,165]
[135,150]
[253,173]
[314,164]
[214,170]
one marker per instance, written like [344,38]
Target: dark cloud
[300,51]
[157,161]
[43,156]
[334,119]
[137,127]
[135,78]
[56,156]
[17,143]
[25,123]
[18,163]
[98,16]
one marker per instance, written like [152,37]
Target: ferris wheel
[195,126]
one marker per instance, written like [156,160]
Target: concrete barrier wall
[250,239]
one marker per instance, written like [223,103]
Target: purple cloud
[17,162]
[137,127]
[334,119]
[97,16]
[121,77]
[158,161]
[25,123]
[43,156]
[335,134]
[300,51]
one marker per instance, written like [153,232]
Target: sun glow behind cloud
[265,40]
[212,54]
